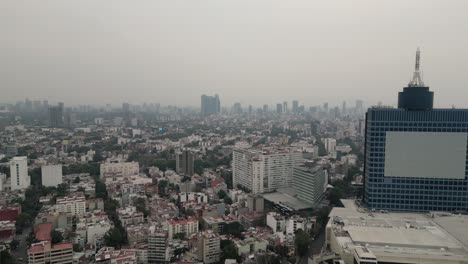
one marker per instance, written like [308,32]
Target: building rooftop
[42,231]
[391,236]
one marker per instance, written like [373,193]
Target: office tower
[330,145]
[295,106]
[51,175]
[359,106]
[45,252]
[279,108]
[208,248]
[210,105]
[343,108]
[265,108]
[158,250]
[416,156]
[56,116]
[285,107]
[126,107]
[250,109]
[20,179]
[264,170]
[184,162]
[310,182]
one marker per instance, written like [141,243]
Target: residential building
[208,247]
[295,223]
[75,204]
[56,116]
[330,145]
[130,216]
[51,175]
[265,169]
[415,155]
[310,183]
[45,252]
[186,226]
[158,250]
[276,222]
[184,162]
[250,245]
[20,179]
[196,197]
[116,171]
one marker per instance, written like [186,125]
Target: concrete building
[187,226]
[196,197]
[255,203]
[130,216]
[158,250]
[51,175]
[250,245]
[208,247]
[295,223]
[310,183]
[20,179]
[266,169]
[184,162]
[360,236]
[276,222]
[73,204]
[45,252]
[330,145]
[56,116]
[116,171]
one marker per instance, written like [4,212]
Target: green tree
[14,244]
[229,250]
[227,200]
[140,205]
[235,229]
[179,236]
[113,238]
[77,180]
[301,241]
[6,258]
[221,194]
[101,190]
[77,248]
[62,190]
[56,236]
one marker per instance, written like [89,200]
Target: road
[315,247]
[22,250]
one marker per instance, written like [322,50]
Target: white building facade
[20,179]
[51,175]
[264,170]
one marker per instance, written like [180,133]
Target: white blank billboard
[425,154]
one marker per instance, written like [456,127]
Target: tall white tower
[19,173]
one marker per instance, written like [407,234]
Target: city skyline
[160,52]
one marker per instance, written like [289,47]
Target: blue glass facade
[403,193]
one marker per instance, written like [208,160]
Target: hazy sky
[253,52]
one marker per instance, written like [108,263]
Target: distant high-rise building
[265,108]
[279,108]
[310,183]
[20,179]
[295,106]
[343,108]
[325,107]
[184,162]
[359,106]
[237,108]
[264,170]
[56,116]
[416,156]
[285,107]
[210,105]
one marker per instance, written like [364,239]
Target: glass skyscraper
[416,156]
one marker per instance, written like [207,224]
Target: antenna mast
[417,79]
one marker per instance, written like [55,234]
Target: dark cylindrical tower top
[416,96]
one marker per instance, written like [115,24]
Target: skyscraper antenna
[417,79]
